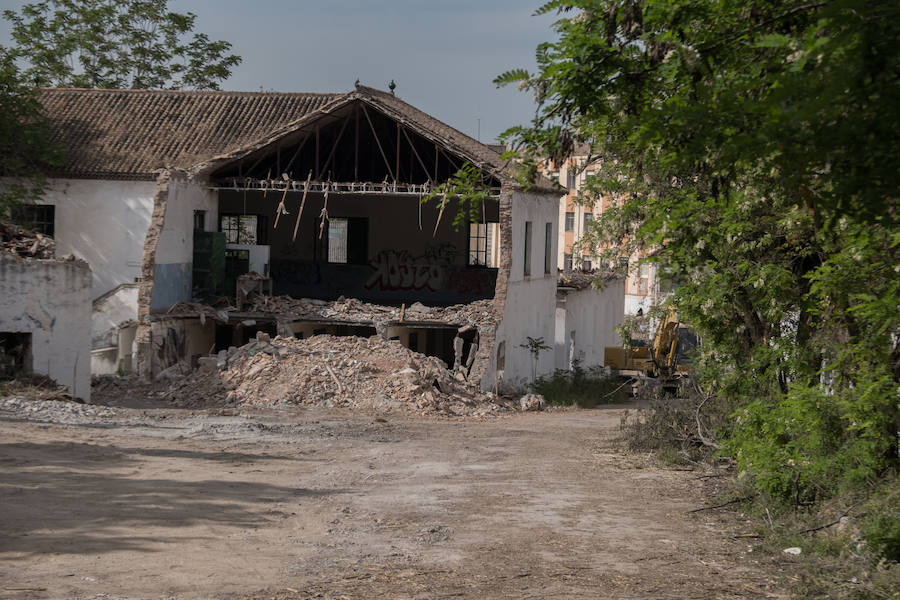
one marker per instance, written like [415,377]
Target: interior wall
[172,280]
[405,262]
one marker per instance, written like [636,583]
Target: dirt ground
[110,503]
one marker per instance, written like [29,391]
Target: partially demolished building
[210,216]
[44,312]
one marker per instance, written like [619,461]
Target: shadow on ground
[81,498]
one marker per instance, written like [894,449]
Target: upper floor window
[40,218]
[483,250]
[548,247]
[570,221]
[527,248]
[243,229]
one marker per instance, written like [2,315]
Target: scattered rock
[532,402]
[793,550]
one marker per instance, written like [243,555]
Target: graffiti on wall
[401,270]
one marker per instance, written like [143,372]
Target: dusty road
[129,503]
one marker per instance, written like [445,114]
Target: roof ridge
[202,92]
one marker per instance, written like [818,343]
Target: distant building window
[337,241]
[570,221]
[588,217]
[243,229]
[570,178]
[567,262]
[527,248]
[644,270]
[586,265]
[548,246]
[483,244]
[199,220]
[39,218]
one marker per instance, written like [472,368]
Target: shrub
[581,387]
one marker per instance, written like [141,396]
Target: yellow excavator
[667,356]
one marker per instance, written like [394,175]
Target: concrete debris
[532,402]
[203,311]
[24,242]
[325,370]
[479,314]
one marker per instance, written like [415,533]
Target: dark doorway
[15,354]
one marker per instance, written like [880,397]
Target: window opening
[527,248]
[482,244]
[548,246]
[588,217]
[346,241]
[244,229]
[15,354]
[337,240]
[39,218]
[567,262]
[199,220]
[570,178]
[570,221]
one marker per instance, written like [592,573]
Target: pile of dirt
[24,242]
[325,370]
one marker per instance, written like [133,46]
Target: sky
[442,55]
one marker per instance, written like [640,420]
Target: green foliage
[468,188]
[534,346]
[116,44]
[581,387]
[883,534]
[26,146]
[750,149]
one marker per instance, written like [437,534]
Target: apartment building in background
[642,290]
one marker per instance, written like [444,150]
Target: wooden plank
[302,204]
[378,142]
[421,162]
[334,147]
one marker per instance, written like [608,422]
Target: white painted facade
[51,301]
[586,322]
[105,223]
[530,305]
[175,249]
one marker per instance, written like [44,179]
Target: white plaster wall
[259,256]
[175,249]
[105,223]
[593,315]
[176,242]
[50,299]
[634,302]
[110,311]
[530,308]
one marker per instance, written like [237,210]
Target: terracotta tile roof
[132,133]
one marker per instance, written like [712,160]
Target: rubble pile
[24,242]
[330,371]
[479,313]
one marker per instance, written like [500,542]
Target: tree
[751,148]
[26,145]
[116,44]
